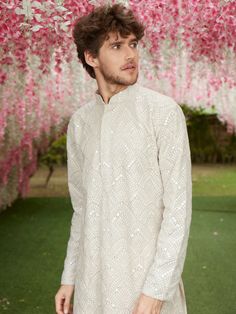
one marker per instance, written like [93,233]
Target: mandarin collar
[118,98]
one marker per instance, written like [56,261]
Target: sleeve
[74,162]
[174,156]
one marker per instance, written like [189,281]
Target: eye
[117,45]
[135,44]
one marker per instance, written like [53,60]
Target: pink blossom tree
[188,52]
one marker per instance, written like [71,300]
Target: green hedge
[56,155]
[209,140]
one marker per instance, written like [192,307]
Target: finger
[66,308]
[71,309]
[59,304]
[156,311]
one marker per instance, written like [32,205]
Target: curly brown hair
[91,30]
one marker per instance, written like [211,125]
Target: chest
[118,138]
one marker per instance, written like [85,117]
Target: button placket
[105,145]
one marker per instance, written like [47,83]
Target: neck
[108,90]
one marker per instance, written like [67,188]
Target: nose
[130,53]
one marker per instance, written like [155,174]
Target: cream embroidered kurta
[129,177]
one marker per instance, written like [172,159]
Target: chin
[134,80]
[126,81]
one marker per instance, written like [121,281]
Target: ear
[90,59]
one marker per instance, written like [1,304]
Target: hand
[63,298]
[147,305]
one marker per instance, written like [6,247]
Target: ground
[34,234]
[208,179]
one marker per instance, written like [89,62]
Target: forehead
[115,36]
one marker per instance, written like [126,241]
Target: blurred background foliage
[209,140]
[55,155]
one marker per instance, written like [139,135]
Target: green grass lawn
[34,234]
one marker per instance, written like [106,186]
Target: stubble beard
[116,79]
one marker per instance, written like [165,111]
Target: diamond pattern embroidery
[129,177]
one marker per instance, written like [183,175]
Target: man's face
[118,60]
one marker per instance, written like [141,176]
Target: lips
[129,66]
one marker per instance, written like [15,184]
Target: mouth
[129,67]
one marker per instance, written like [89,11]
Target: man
[129,177]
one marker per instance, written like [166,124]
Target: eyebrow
[122,41]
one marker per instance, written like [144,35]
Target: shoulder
[156,100]
[165,112]
[80,115]
[160,105]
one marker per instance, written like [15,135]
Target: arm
[175,166]
[74,161]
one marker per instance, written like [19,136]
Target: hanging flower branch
[188,52]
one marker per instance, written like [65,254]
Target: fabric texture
[129,178]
